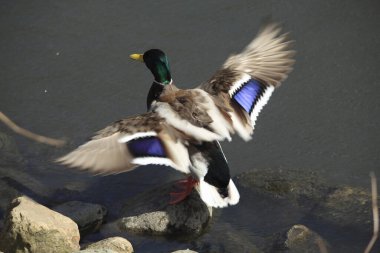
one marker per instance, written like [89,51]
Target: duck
[183,128]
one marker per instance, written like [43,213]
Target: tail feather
[212,197]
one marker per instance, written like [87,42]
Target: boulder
[301,239]
[151,213]
[89,217]
[116,244]
[31,227]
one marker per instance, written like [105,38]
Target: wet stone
[96,251]
[302,186]
[224,238]
[342,208]
[184,251]
[116,244]
[347,207]
[9,153]
[88,216]
[301,239]
[8,193]
[150,213]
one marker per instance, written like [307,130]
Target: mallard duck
[183,127]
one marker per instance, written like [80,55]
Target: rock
[340,206]
[305,187]
[24,183]
[300,239]
[184,251]
[31,227]
[116,244]
[347,207]
[9,153]
[8,193]
[96,251]
[153,222]
[223,237]
[14,179]
[150,213]
[89,217]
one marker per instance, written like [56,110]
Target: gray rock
[339,206]
[89,217]
[224,238]
[9,153]
[150,213]
[153,222]
[347,207]
[96,251]
[184,251]
[14,179]
[303,186]
[31,227]
[117,244]
[8,193]
[300,239]
[19,180]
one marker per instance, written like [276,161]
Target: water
[65,72]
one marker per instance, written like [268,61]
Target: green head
[158,64]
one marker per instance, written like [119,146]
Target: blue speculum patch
[148,146]
[248,94]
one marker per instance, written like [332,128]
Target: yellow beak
[137,57]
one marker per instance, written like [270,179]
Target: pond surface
[65,72]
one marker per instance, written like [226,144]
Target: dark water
[65,72]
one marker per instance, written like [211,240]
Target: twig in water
[39,138]
[375,212]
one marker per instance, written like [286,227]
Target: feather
[247,80]
[126,144]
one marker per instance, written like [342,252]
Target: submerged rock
[96,251]
[347,207]
[151,213]
[9,153]
[341,213]
[15,180]
[338,206]
[225,238]
[8,193]
[31,227]
[301,239]
[116,244]
[88,216]
[304,187]
[184,251]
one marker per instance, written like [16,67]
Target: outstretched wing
[128,143]
[246,81]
